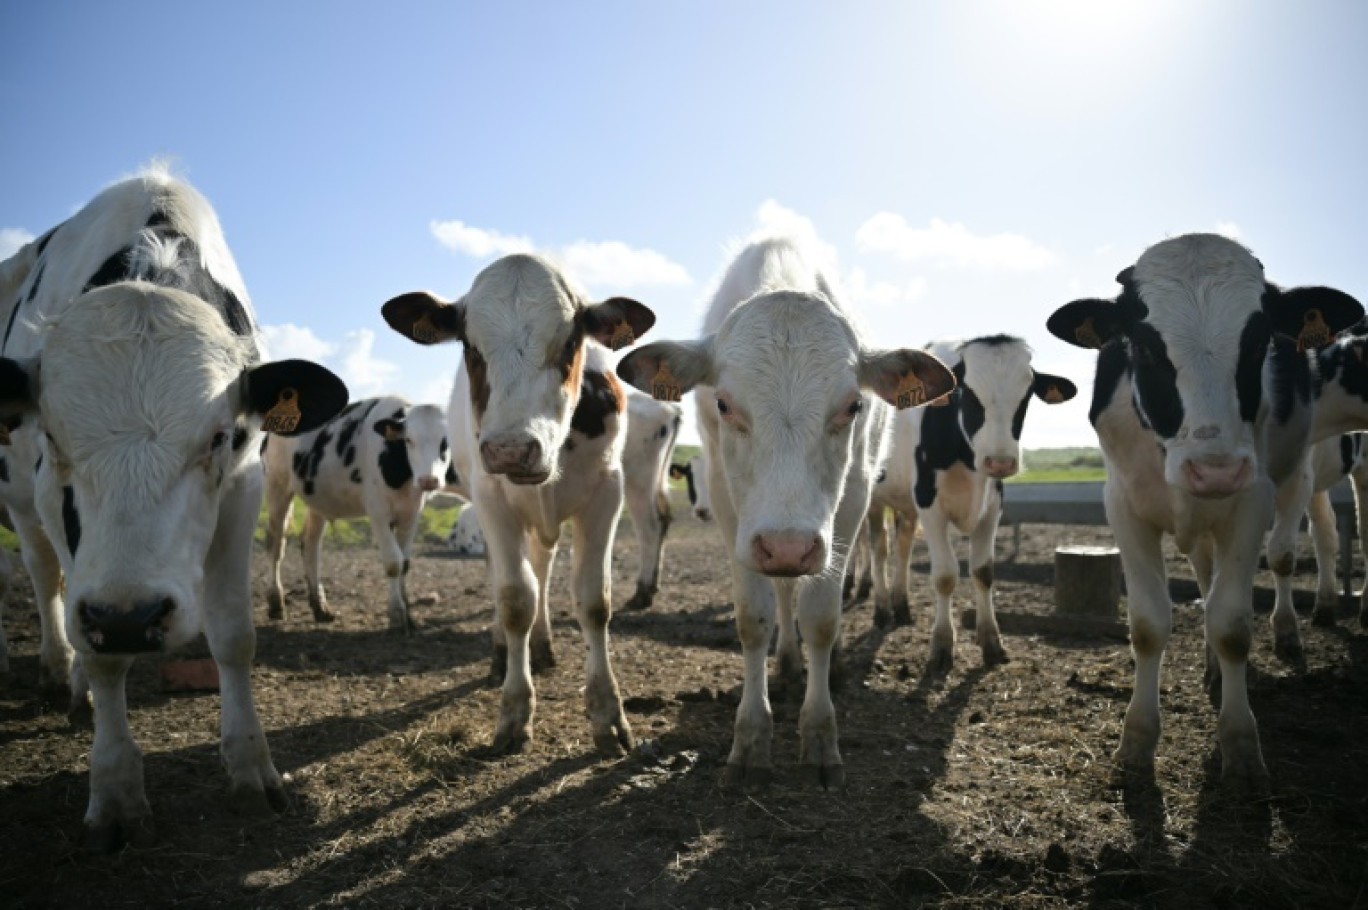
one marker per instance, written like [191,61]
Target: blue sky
[969,165]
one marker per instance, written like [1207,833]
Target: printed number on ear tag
[911,392]
[622,336]
[664,386]
[1314,333]
[1086,335]
[284,415]
[423,330]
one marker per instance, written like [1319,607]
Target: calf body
[381,458]
[946,467]
[537,420]
[652,427]
[1203,404]
[142,399]
[793,438]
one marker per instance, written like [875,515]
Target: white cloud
[1228,229]
[436,390]
[773,218]
[352,358]
[11,239]
[863,292]
[613,263]
[950,244]
[477,242]
[607,263]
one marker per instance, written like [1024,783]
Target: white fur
[467,537]
[652,427]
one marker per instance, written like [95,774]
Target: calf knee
[983,575]
[1147,639]
[945,585]
[517,609]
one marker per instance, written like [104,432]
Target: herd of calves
[141,426]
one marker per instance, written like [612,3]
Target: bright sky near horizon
[970,165]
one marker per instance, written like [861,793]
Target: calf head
[419,435]
[996,383]
[789,380]
[694,473]
[148,406]
[1196,318]
[524,330]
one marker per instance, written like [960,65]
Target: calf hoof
[994,654]
[498,665]
[107,837]
[1325,615]
[50,683]
[941,661]
[275,606]
[509,742]
[1245,776]
[79,713]
[862,592]
[639,600]
[542,658]
[1287,648]
[735,777]
[401,625]
[902,613]
[246,799]
[615,740]
[883,616]
[320,610]
[828,777]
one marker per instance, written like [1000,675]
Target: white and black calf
[946,467]
[652,428]
[793,411]
[537,429]
[381,458]
[132,361]
[466,537]
[1204,402]
[694,473]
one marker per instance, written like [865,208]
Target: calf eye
[856,407]
[219,439]
[722,407]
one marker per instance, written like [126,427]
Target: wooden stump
[1087,581]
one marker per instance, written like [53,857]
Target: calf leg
[394,535]
[279,508]
[1290,505]
[750,760]
[986,632]
[906,524]
[515,594]
[650,520]
[117,811]
[6,572]
[57,667]
[788,651]
[876,528]
[1325,541]
[543,557]
[1359,478]
[314,524]
[944,576]
[590,574]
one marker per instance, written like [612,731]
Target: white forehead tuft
[1200,290]
[520,298]
[996,366]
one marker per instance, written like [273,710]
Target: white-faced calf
[381,458]
[652,427]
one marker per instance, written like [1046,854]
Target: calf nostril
[163,609]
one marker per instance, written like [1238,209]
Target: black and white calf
[793,411]
[652,427]
[132,361]
[694,473]
[1203,403]
[381,458]
[946,466]
[537,421]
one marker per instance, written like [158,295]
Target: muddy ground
[990,789]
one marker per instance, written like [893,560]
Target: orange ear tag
[1086,335]
[1314,333]
[623,336]
[423,331]
[1053,395]
[664,386]
[911,392]
[284,415]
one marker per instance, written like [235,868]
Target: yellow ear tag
[1086,335]
[423,331]
[1315,333]
[4,435]
[911,392]
[1053,395]
[623,336]
[664,386]
[393,435]
[284,415]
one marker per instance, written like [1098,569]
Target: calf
[536,422]
[1203,403]
[466,538]
[694,473]
[793,439]
[947,466]
[652,427]
[381,458]
[136,374]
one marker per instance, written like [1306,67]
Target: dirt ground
[990,789]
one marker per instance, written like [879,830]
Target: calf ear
[18,386]
[617,322]
[667,369]
[1053,389]
[392,430]
[1311,315]
[1086,323]
[906,377]
[291,396]
[425,317]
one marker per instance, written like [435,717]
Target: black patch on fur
[43,240]
[1113,362]
[356,475]
[687,471]
[600,398]
[71,520]
[443,448]
[348,457]
[1348,452]
[306,464]
[113,269]
[941,445]
[451,478]
[1249,367]
[1291,380]
[4,470]
[37,280]
[39,463]
[1156,380]
[239,437]
[394,464]
[1019,418]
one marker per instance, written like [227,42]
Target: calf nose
[1214,476]
[787,553]
[428,483]
[999,466]
[112,629]
[519,457]
[703,514]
